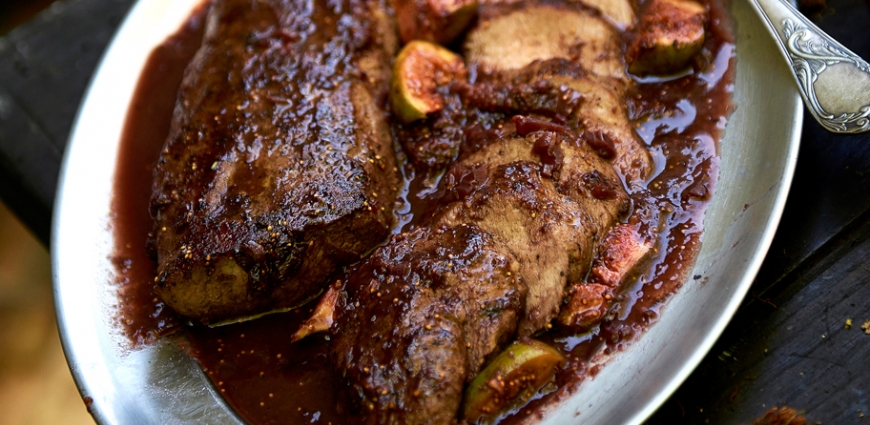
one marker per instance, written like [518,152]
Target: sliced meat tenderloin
[523,211]
[552,225]
[418,318]
[620,13]
[572,47]
[541,32]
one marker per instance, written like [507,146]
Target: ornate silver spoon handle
[834,82]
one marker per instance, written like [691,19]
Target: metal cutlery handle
[834,82]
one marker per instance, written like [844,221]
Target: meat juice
[267,379]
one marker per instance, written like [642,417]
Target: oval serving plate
[160,384]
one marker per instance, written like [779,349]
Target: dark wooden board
[792,348]
[45,67]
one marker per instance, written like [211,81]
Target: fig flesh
[668,35]
[511,379]
[420,68]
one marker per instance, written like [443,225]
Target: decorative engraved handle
[811,52]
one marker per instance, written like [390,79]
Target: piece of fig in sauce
[668,34]
[418,71]
[511,379]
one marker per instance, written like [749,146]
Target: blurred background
[36,386]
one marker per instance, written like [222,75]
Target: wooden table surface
[788,343]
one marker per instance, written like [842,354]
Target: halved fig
[321,319]
[418,71]
[668,35]
[511,379]
[620,252]
[438,21]
[586,307]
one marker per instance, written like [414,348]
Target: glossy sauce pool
[268,380]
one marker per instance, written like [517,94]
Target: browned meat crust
[279,165]
[541,189]
[573,48]
[621,252]
[552,224]
[419,318]
[423,312]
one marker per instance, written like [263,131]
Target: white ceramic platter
[161,385]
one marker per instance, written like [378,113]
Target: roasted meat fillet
[552,225]
[419,318]
[557,53]
[279,165]
[538,151]
[423,313]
